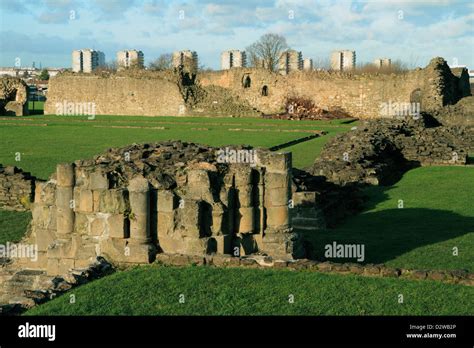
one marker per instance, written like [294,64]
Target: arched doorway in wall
[265,91]
[246,81]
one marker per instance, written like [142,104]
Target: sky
[47,31]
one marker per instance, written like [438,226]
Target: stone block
[198,178]
[64,197]
[165,224]
[139,202]
[113,201]
[171,244]
[277,180]
[81,224]
[40,214]
[219,223]
[277,196]
[140,227]
[275,161]
[52,267]
[166,201]
[245,196]
[65,265]
[138,184]
[96,197]
[127,251]
[278,217]
[65,220]
[44,238]
[245,222]
[97,226]
[98,180]
[116,226]
[84,201]
[45,193]
[189,218]
[243,175]
[65,174]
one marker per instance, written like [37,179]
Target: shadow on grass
[390,233]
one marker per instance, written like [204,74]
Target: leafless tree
[163,62]
[266,51]
[322,63]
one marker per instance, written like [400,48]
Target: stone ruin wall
[129,222]
[359,95]
[117,94]
[16,188]
[170,94]
[13,96]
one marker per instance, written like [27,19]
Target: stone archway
[265,91]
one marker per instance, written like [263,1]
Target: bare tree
[163,62]
[266,51]
[322,63]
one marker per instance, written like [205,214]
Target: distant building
[128,58]
[383,63]
[307,64]
[188,59]
[289,61]
[27,72]
[233,59]
[87,60]
[343,60]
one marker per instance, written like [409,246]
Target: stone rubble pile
[379,151]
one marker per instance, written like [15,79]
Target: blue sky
[47,31]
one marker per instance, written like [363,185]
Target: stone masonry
[250,91]
[16,188]
[13,96]
[379,151]
[174,197]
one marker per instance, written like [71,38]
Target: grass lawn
[437,215]
[13,225]
[156,290]
[44,141]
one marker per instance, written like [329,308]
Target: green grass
[437,215]
[155,290]
[35,106]
[44,141]
[13,225]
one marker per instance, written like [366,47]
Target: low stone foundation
[447,276]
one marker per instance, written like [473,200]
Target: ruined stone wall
[117,94]
[380,151]
[16,188]
[13,96]
[359,95]
[130,203]
[250,91]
